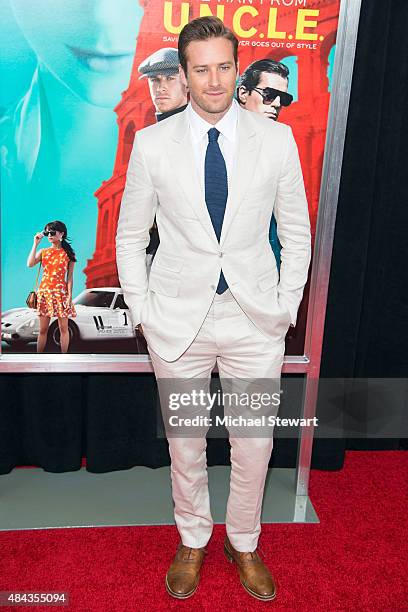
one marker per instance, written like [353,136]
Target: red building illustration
[307,116]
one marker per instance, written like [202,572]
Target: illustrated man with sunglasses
[263,88]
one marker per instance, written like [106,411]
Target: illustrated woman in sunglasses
[54,295]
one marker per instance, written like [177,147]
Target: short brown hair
[204,28]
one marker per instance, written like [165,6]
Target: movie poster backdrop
[72,99]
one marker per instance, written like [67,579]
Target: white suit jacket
[162,180]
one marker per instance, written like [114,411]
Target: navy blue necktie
[216,189]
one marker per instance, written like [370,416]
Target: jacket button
[212,286]
[220,254]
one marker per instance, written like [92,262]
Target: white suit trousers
[229,338]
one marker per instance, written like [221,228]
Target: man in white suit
[213,174]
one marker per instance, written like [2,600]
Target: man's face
[211,76]
[253,100]
[168,92]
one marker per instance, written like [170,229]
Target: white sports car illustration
[101,313]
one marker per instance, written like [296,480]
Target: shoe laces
[252,556]
[187,554]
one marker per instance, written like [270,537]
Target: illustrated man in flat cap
[169,96]
[168,93]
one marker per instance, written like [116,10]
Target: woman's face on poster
[89,45]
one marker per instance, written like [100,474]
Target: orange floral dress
[52,293]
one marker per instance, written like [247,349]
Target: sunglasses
[50,233]
[269,94]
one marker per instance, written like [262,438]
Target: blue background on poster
[59,138]
[64,67]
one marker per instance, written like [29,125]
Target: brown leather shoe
[254,575]
[184,573]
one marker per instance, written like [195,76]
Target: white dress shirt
[227,126]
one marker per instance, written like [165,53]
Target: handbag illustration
[31,300]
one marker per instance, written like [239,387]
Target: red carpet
[355,560]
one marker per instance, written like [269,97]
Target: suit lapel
[246,154]
[182,161]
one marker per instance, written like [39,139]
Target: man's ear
[182,74]
[242,94]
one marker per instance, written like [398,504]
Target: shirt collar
[170,113]
[227,125]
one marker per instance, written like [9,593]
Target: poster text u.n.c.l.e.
[249,20]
